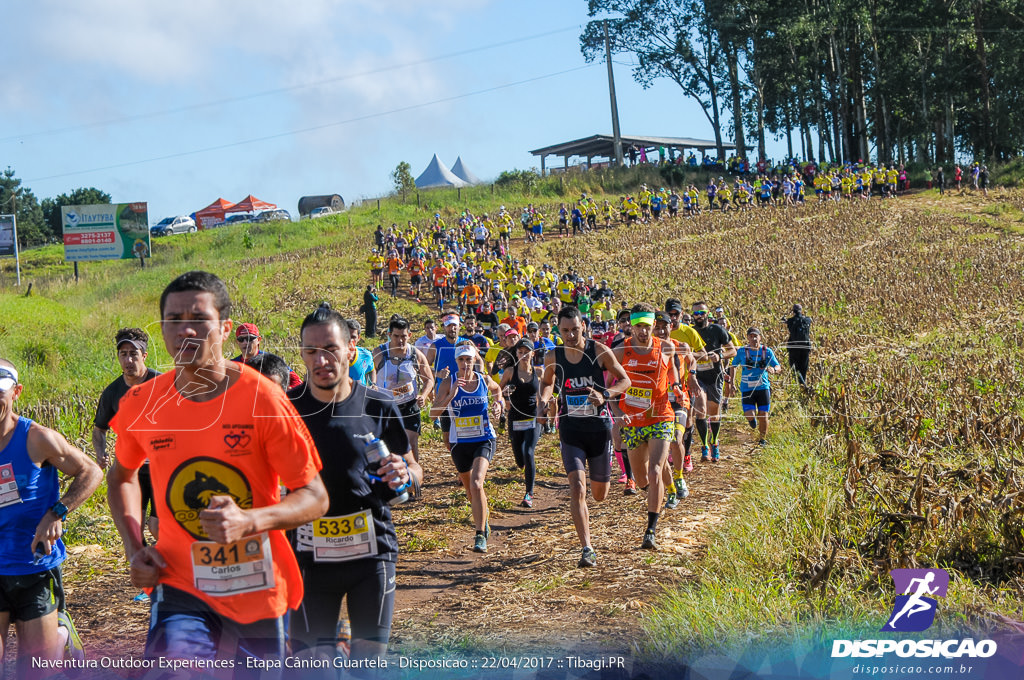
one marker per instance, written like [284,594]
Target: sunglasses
[702,312]
[246,339]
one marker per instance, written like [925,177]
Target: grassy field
[905,454]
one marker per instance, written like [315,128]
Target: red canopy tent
[213,214]
[251,204]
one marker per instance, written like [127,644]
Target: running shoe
[704,454]
[682,491]
[480,543]
[762,442]
[141,597]
[714,453]
[688,463]
[630,489]
[588,559]
[671,502]
[649,543]
[527,501]
[622,479]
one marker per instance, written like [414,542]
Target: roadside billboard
[7,235]
[105,232]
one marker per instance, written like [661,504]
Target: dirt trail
[525,593]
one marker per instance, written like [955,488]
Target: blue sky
[180,103]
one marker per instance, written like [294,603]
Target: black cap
[673,305]
[797,309]
[662,316]
[524,343]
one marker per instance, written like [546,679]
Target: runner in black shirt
[711,374]
[132,350]
[585,423]
[798,346]
[351,551]
[521,384]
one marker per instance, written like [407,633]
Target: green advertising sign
[105,232]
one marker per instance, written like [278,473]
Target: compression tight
[716,425]
[702,430]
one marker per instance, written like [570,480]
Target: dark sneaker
[704,454]
[480,543]
[649,543]
[762,442]
[588,559]
[630,489]
[671,502]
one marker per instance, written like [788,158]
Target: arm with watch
[46,446]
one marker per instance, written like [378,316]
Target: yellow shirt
[690,336]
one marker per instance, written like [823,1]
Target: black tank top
[575,412]
[524,395]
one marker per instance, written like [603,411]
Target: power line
[315,128]
[282,90]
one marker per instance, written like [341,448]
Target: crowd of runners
[267,497]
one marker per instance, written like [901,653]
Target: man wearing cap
[248,337]
[32,515]
[441,355]
[718,348]
[757,362]
[799,344]
[506,356]
[132,347]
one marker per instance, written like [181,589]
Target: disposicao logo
[72,218]
[913,612]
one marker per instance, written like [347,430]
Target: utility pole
[616,136]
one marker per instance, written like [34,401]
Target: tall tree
[32,229]
[402,177]
[674,39]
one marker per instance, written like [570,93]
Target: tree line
[895,81]
[39,222]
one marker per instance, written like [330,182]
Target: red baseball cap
[247,329]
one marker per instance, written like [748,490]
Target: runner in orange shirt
[415,267]
[440,274]
[649,422]
[220,439]
[472,296]
[395,267]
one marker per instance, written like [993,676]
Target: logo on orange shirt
[198,480]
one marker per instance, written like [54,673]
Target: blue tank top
[468,411]
[444,357]
[38,489]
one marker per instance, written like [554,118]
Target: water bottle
[376,451]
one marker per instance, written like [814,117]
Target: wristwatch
[60,510]
[606,395]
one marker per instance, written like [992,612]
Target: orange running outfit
[645,403]
[243,444]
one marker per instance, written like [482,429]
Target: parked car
[237,219]
[173,225]
[322,211]
[273,216]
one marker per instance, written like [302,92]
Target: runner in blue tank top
[32,515]
[463,396]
